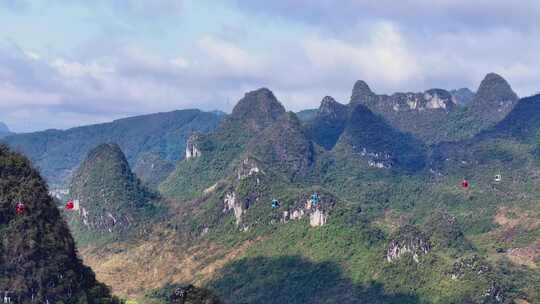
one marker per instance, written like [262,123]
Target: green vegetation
[152,169]
[38,258]
[57,153]
[398,226]
[111,198]
[345,260]
[184,294]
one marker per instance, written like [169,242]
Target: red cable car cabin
[20,208]
[70,205]
[465,184]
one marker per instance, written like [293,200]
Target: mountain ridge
[438,115]
[59,152]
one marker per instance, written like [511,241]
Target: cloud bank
[302,51]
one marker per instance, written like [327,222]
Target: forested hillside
[38,258]
[57,152]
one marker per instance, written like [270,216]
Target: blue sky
[68,63]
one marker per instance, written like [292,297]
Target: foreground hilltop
[38,258]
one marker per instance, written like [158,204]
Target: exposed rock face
[317,218]
[473,265]
[522,122]
[257,110]
[431,115]
[433,99]
[231,202]
[249,167]
[331,108]
[111,197]
[192,149]
[329,123]
[317,213]
[38,259]
[409,240]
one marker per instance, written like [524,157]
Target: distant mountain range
[57,153]
[438,115]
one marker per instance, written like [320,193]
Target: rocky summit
[493,100]
[257,110]
[329,122]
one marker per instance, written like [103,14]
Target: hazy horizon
[70,63]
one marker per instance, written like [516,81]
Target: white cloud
[229,58]
[12,97]
[76,69]
[383,58]
[406,46]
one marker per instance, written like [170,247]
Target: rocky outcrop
[469,265]
[479,269]
[248,167]
[317,213]
[494,294]
[318,218]
[231,202]
[379,160]
[444,231]
[433,99]
[192,149]
[431,115]
[408,241]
